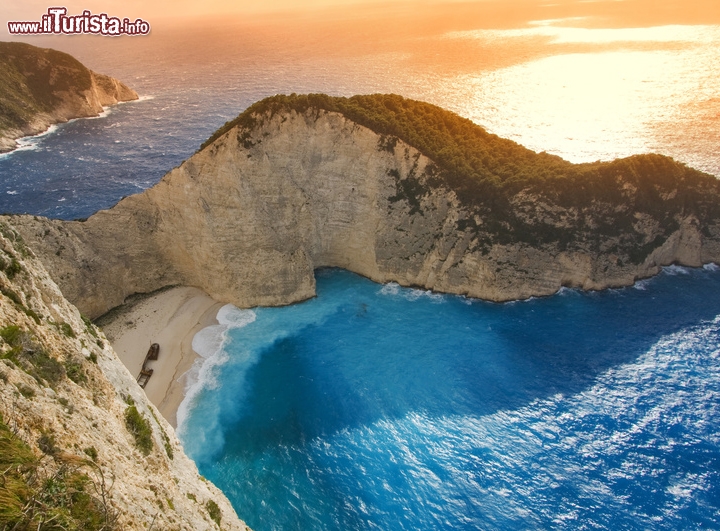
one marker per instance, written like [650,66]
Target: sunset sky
[598,69]
[651,11]
[32,9]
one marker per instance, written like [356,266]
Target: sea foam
[209,344]
[30,143]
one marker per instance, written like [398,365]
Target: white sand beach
[170,318]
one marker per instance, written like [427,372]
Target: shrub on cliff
[139,427]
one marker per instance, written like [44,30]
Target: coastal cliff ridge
[389,188]
[40,87]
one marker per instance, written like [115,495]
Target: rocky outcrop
[249,217]
[40,87]
[66,395]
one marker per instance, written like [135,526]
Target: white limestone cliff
[249,218]
[65,393]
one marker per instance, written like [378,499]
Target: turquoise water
[376,407]
[379,407]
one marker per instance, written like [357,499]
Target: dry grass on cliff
[53,492]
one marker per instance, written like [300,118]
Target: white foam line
[209,343]
[411,294]
[31,142]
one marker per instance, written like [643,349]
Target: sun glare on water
[601,93]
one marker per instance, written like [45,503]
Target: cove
[381,407]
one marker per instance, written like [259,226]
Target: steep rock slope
[80,444]
[295,183]
[40,87]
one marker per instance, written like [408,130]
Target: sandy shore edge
[170,318]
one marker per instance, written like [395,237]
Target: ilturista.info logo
[58,22]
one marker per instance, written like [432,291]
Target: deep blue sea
[379,407]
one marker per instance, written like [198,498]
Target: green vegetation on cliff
[139,428]
[73,497]
[31,79]
[511,188]
[459,146]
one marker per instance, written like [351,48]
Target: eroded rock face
[65,393]
[250,217]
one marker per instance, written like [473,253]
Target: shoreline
[170,318]
[17,141]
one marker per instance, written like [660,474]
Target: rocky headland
[40,87]
[392,189]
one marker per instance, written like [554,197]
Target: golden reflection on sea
[607,92]
[584,80]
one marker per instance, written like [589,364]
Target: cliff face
[249,218]
[66,397]
[40,87]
